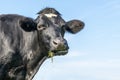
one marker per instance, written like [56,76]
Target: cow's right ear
[28,24]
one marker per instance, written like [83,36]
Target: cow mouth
[57,53]
[60,52]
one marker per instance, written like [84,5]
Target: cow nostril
[55,43]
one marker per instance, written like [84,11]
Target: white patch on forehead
[50,15]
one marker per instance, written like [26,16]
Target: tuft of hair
[48,10]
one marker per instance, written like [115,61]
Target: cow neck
[38,49]
[30,75]
[38,57]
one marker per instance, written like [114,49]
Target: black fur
[25,42]
[23,47]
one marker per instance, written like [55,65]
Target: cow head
[52,27]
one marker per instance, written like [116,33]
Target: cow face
[56,28]
[51,36]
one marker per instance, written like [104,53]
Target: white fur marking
[50,15]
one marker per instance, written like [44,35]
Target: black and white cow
[26,43]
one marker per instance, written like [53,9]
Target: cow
[25,43]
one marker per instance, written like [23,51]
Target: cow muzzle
[60,47]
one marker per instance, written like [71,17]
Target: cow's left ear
[74,26]
[27,24]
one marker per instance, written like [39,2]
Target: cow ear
[74,26]
[28,24]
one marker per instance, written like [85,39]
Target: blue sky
[94,52]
